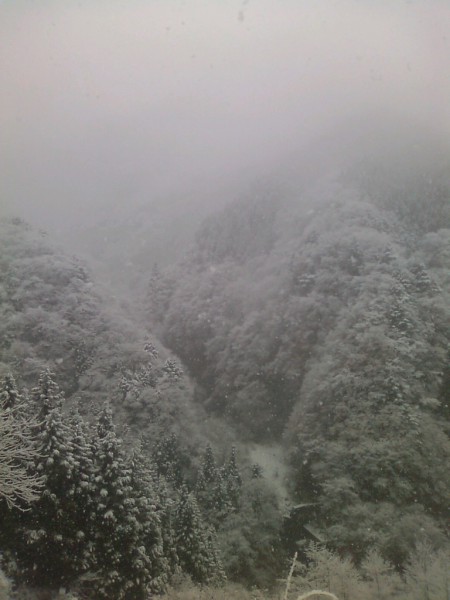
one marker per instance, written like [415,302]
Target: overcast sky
[108,100]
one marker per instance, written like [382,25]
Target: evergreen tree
[208,469]
[168,459]
[10,397]
[381,579]
[197,552]
[142,481]
[159,291]
[257,471]
[122,565]
[218,490]
[47,554]
[165,505]
[45,397]
[82,493]
[233,479]
[208,482]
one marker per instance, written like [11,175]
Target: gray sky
[113,101]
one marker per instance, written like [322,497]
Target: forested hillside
[103,447]
[54,316]
[306,399]
[322,319]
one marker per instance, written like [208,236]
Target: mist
[225,304]
[108,105]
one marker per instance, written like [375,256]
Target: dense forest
[307,327]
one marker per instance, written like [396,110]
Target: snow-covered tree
[81,492]
[47,555]
[196,548]
[149,513]
[10,397]
[123,565]
[17,486]
[233,479]
[168,459]
[165,503]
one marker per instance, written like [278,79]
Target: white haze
[107,103]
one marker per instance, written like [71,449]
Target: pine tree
[197,552]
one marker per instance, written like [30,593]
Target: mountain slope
[54,316]
[324,319]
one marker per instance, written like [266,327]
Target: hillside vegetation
[322,320]
[105,450]
[288,384]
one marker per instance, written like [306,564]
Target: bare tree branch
[17,486]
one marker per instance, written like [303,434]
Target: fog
[107,104]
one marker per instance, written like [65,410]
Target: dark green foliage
[169,460]
[237,234]
[333,331]
[122,565]
[208,469]
[419,194]
[10,397]
[195,545]
[159,292]
[233,479]
[211,489]
[218,489]
[325,325]
[151,508]
[51,315]
[52,552]
[99,517]
[249,537]
[165,502]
